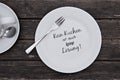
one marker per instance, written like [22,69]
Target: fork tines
[60,21]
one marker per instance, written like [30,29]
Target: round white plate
[7,43]
[74,46]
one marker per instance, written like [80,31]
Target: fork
[55,26]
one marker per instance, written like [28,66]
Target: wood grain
[38,8]
[37,70]
[15,64]
[110,51]
[109,28]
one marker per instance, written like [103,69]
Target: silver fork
[55,26]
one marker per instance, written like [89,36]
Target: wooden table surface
[16,64]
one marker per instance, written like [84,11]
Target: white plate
[7,43]
[74,46]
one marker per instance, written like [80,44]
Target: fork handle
[36,43]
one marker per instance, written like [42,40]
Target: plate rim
[18,24]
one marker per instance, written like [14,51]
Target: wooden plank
[55,79]
[110,51]
[37,70]
[28,28]
[38,8]
[109,28]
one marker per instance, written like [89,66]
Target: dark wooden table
[16,64]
